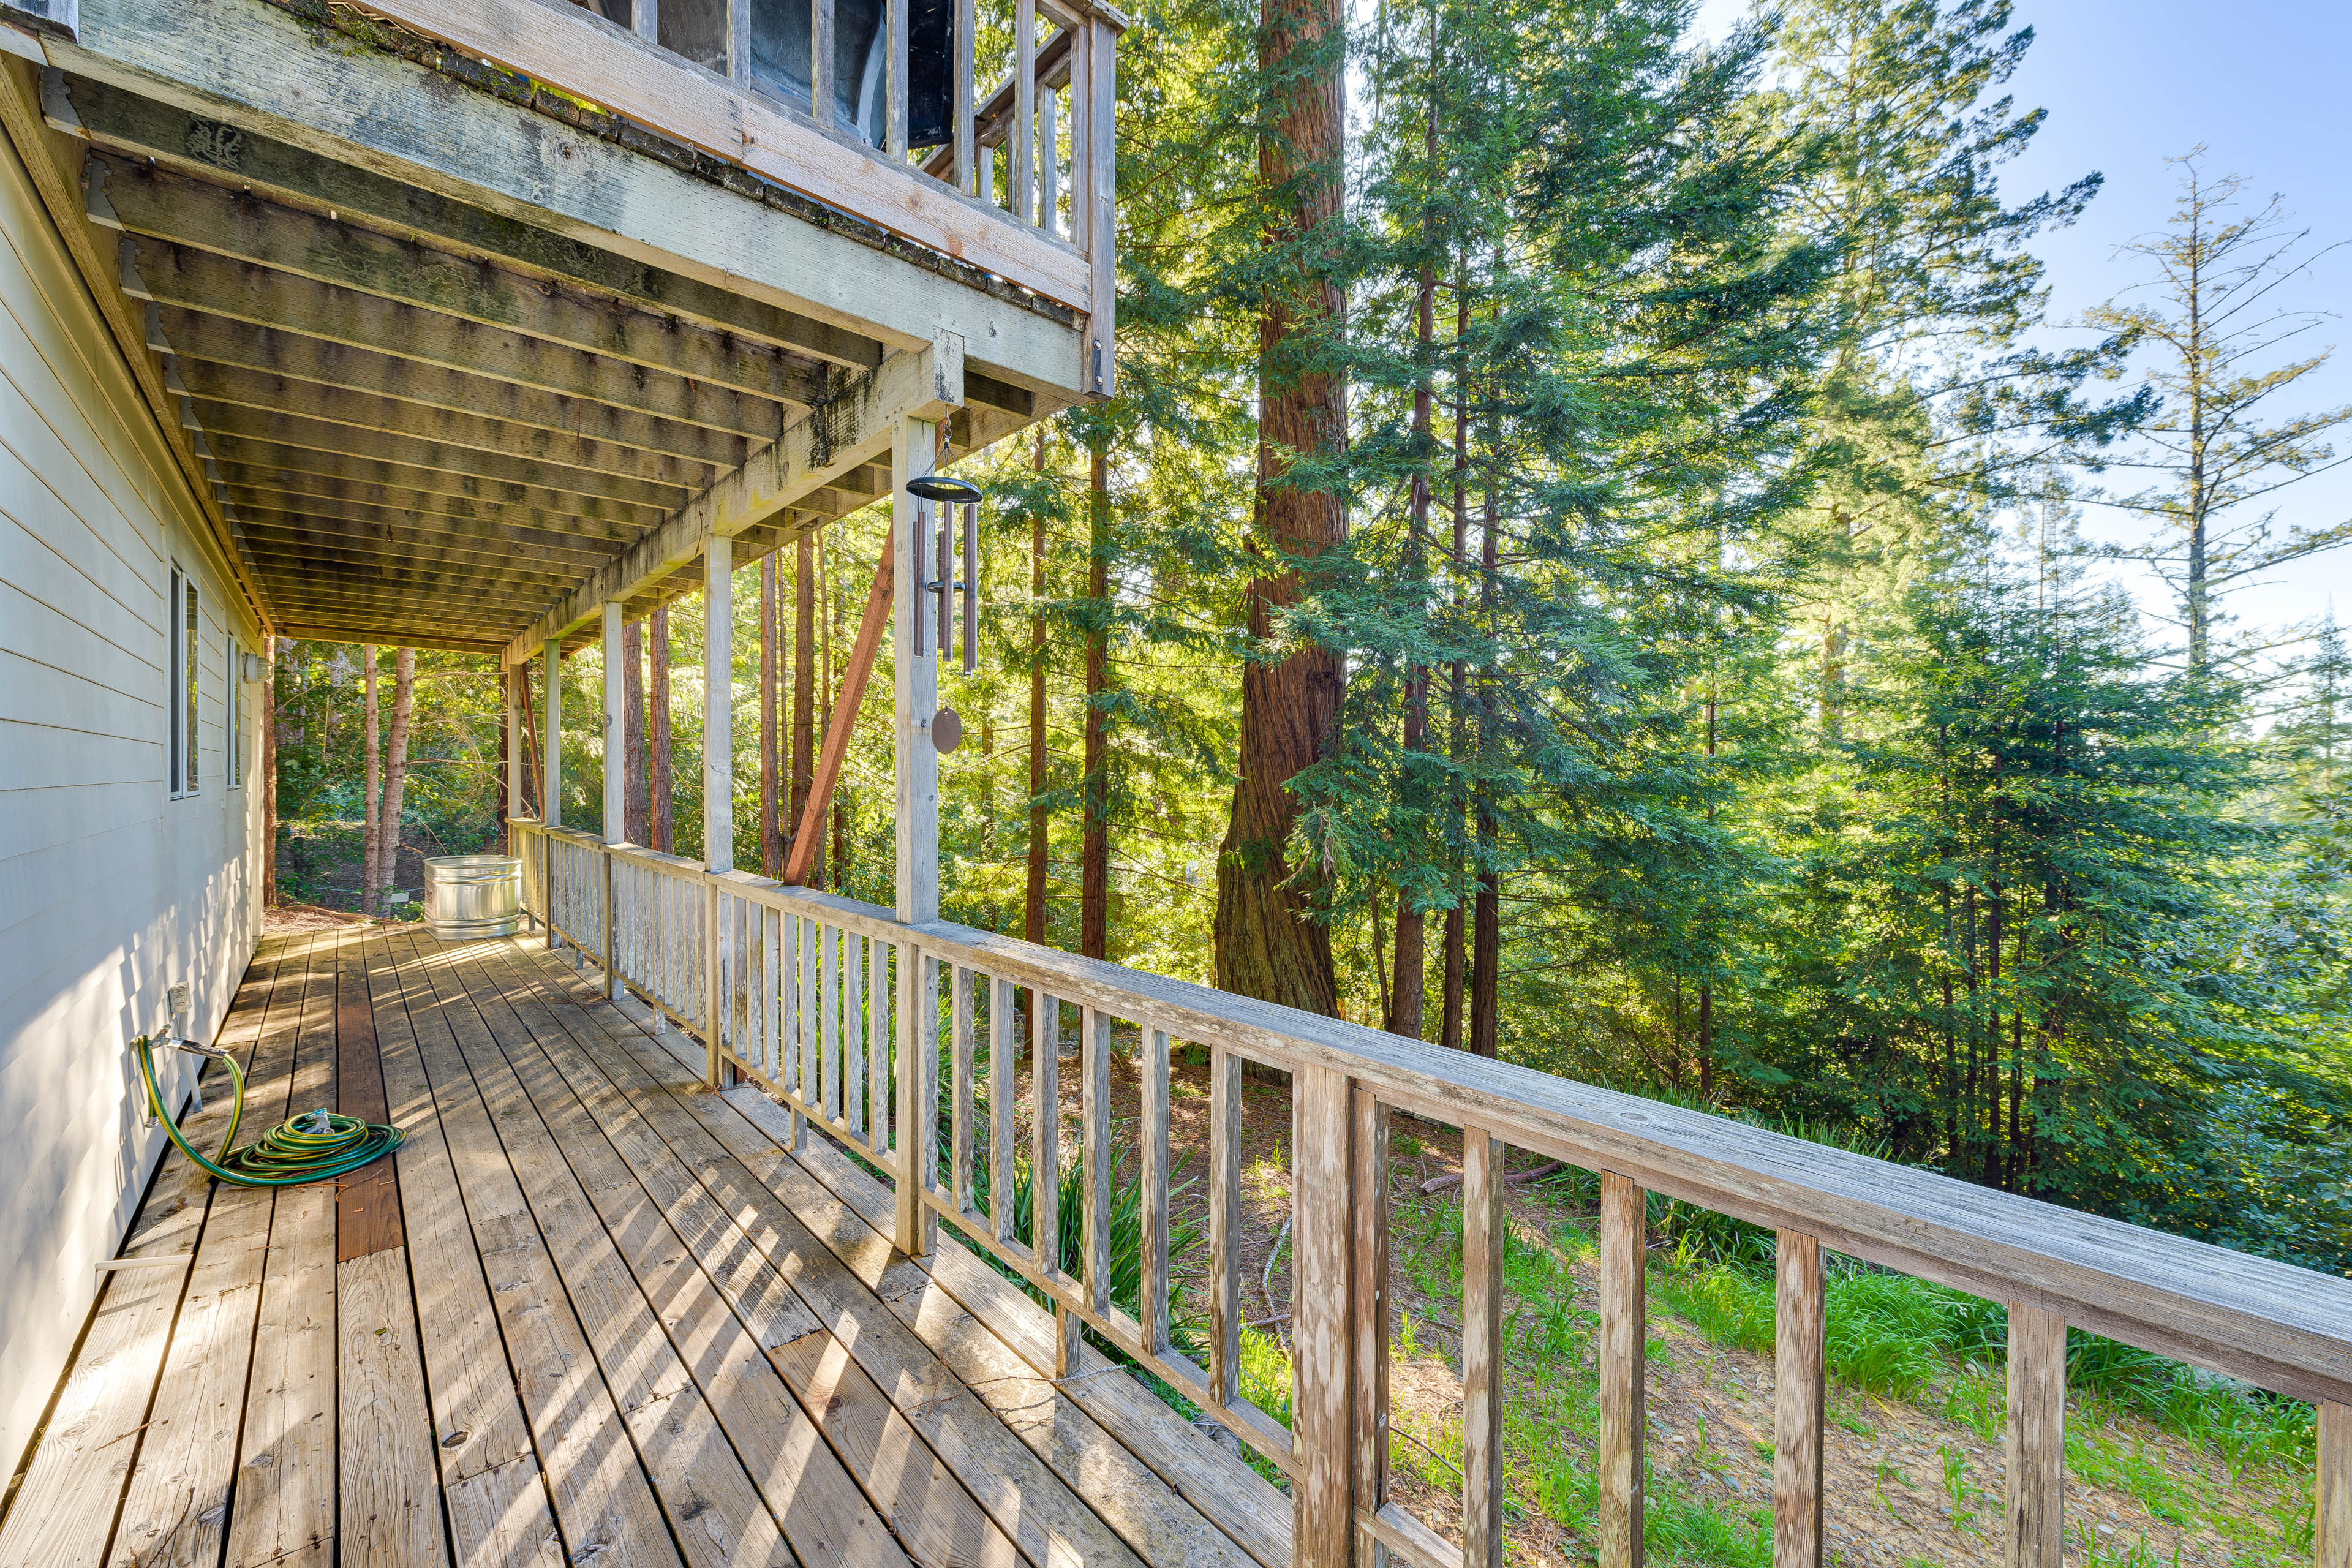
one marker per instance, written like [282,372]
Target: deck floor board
[595,1313]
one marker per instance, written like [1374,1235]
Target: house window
[181,635]
[236,713]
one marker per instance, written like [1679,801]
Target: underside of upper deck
[453,352]
[590,1312]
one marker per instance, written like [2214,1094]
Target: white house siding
[110,891]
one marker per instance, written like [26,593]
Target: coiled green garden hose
[311,1147]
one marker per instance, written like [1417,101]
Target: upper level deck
[452,304]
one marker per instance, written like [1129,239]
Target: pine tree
[2217,459]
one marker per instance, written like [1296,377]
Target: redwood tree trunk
[636,811]
[771,832]
[396,774]
[804,695]
[1457,674]
[1094,852]
[659,739]
[1269,943]
[1033,922]
[372,854]
[1487,920]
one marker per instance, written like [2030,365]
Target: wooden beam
[335,498]
[397,622]
[443,604]
[334,629]
[256,69]
[860,426]
[176,138]
[409,280]
[592,443]
[596,539]
[286,435]
[487,501]
[373,347]
[362,568]
[496,540]
[809,833]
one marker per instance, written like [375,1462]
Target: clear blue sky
[2130,82]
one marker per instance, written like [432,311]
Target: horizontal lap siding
[110,891]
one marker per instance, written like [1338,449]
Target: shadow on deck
[591,1312]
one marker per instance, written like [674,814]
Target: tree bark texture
[1486,922]
[1094,852]
[1268,942]
[771,831]
[1033,921]
[804,693]
[658,742]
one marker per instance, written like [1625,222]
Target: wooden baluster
[959,1119]
[1081,57]
[738,40]
[1800,1322]
[1094,1155]
[988,176]
[1021,163]
[2331,1517]
[1325,1527]
[1049,154]
[2037,1437]
[917,1084]
[1003,1046]
[1046,1162]
[1225,1216]
[1151,1138]
[810,1033]
[853,1040]
[1624,1240]
[1484,1240]
[1368,1294]
[821,93]
[828,994]
[894,134]
[878,1045]
[966,23]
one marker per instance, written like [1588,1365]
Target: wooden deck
[591,1312]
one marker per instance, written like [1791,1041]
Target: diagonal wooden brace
[810,831]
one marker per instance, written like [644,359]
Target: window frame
[183,683]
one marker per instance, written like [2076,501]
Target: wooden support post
[2331,1522]
[1094,1156]
[1151,1140]
[1324,1525]
[616,778]
[1020,161]
[550,784]
[1097,191]
[517,748]
[966,23]
[918,1086]
[894,132]
[1800,1324]
[916,697]
[717,783]
[1484,1240]
[1625,1333]
[646,17]
[2037,1437]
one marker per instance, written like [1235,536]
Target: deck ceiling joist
[429,420]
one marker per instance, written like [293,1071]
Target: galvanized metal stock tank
[471,895]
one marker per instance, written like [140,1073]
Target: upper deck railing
[827,1002]
[984,130]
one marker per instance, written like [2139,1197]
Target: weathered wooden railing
[827,1002]
[884,108]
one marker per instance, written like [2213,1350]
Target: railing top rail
[673,865]
[2270,1323]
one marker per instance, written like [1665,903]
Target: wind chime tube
[970,587]
[945,539]
[923,522]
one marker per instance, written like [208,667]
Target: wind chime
[949,500]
